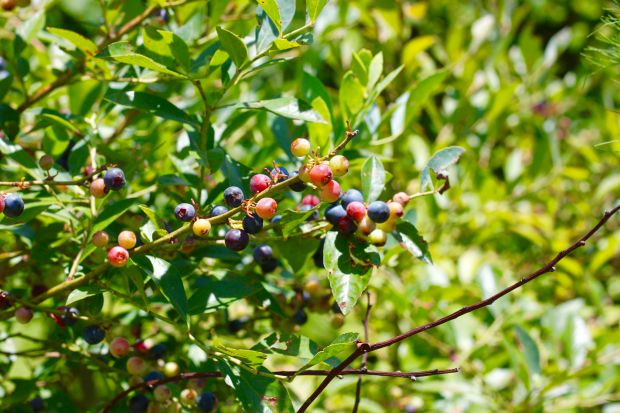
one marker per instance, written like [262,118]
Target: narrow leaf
[233,45]
[373,179]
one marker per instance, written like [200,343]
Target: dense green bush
[497,119]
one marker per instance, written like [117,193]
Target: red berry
[23,315]
[330,192]
[98,188]
[300,147]
[266,208]
[119,347]
[118,256]
[321,175]
[311,200]
[259,183]
[1,204]
[356,210]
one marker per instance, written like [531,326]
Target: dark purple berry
[298,186]
[153,375]
[158,351]
[300,317]
[252,224]
[13,205]
[114,179]
[269,265]
[262,253]
[93,334]
[236,239]
[70,316]
[283,174]
[233,196]
[334,213]
[138,403]
[378,211]
[350,196]
[218,210]
[185,212]
[207,402]
[37,404]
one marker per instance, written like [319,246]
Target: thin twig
[216,374]
[358,386]
[48,181]
[363,348]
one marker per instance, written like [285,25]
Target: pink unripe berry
[356,210]
[396,209]
[100,239]
[23,315]
[136,366]
[46,162]
[402,198]
[127,239]
[98,188]
[119,347]
[188,396]
[330,192]
[311,200]
[339,165]
[300,147]
[162,393]
[321,175]
[266,208]
[259,182]
[201,227]
[118,256]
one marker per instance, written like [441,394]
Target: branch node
[581,243]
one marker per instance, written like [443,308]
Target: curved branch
[286,373]
[548,267]
[49,181]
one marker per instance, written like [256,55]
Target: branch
[358,386]
[364,348]
[288,373]
[50,181]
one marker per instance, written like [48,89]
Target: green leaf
[373,179]
[233,45]
[291,220]
[351,95]
[343,343]
[76,39]
[426,87]
[256,393]
[250,358]
[296,250]
[347,278]
[439,162]
[166,48]
[408,237]
[111,213]
[288,345]
[167,279]
[314,8]
[375,70]
[31,27]
[530,349]
[123,52]
[81,293]
[151,103]
[217,293]
[287,107]
[273,11]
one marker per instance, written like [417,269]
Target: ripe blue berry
[153,375]
[70,316]
[93,334]
[298,186]
[236,239]
[317,257]
[185,212]
[37,404]
[13,205]
[238,324]
[207,402]
[300,317]
[218,210]
[114,179]
[282,173]
[378,211]
[334,213]
[138,403]
[315,214]
[252,224]
[233,196]
[269,265]
[158,351]
[262,253]
[350,196]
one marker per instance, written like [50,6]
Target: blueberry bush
[319,205]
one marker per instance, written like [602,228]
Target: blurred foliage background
[507,80]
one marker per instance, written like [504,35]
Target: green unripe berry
[378,237]
[46,162]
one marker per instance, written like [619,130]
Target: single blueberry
[252,224]
[114,179]
[207,402]
[262,253]
[185,212]
[334,213]
[378,211]
[93,334]
[233,196]
[13,205]
[218,210]
[350,196]
[138,403]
